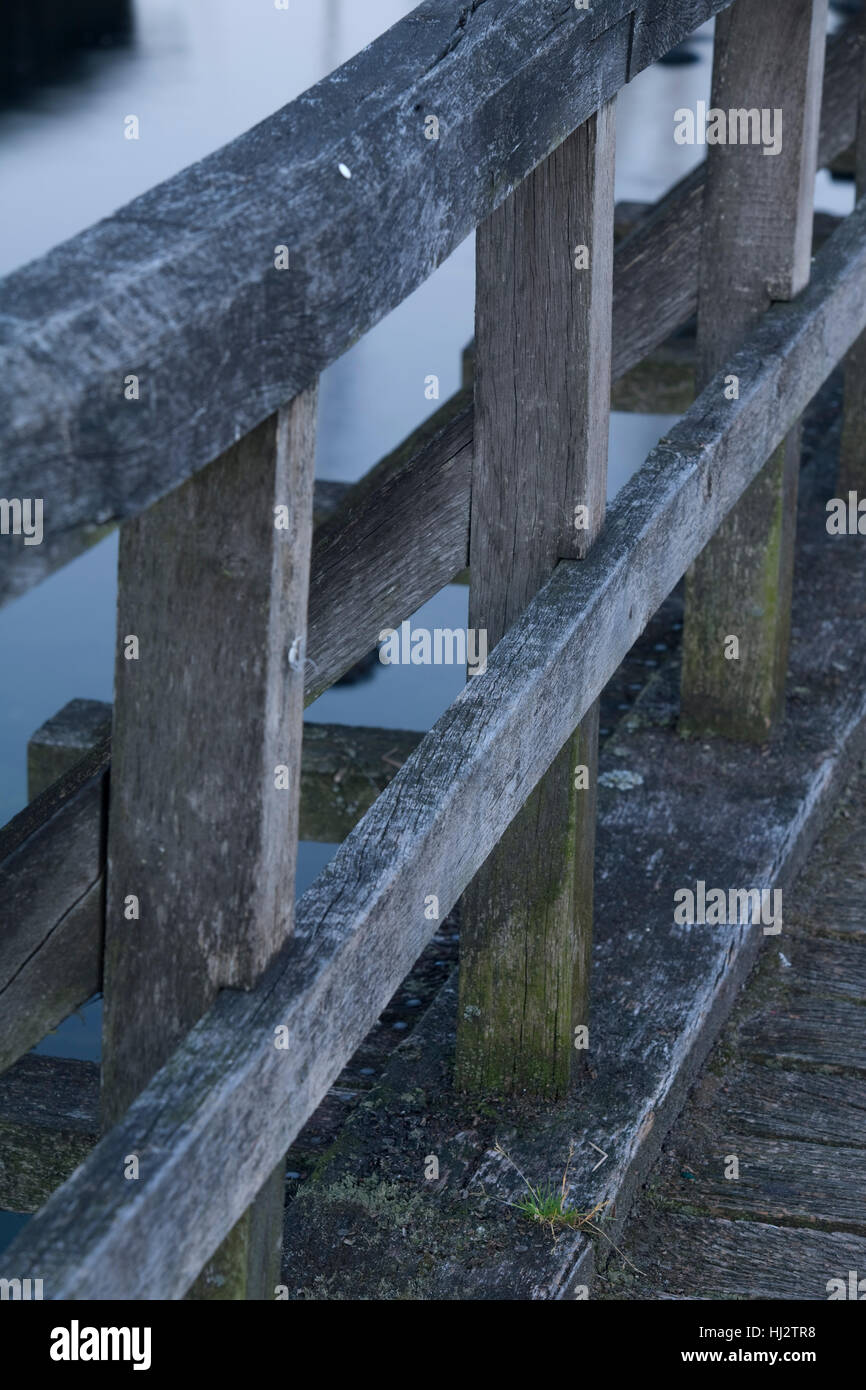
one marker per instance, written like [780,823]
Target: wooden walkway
[783,1091]
[192,327]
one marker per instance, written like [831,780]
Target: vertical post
[852,452]
[756,248]
[542,400]
[203,821]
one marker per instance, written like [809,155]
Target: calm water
[197,73]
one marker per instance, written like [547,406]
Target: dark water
[197,73]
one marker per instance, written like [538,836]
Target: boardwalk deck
[784,1092]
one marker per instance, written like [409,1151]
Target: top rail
[179,288]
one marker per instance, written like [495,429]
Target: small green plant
[546,1204]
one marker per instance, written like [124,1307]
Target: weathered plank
[161,288]
[734,1260]
[796,1105]
[808,1032]
[62,741]
[781,1181]
[49,1122]
[539,486]
[343,770]
[51,898]
[398,537]
[343,767]
[832,968]
[756,247]
[227,1103]
[208,718]
[51,949]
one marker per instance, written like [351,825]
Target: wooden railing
[144,371]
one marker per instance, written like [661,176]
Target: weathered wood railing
[226,1021]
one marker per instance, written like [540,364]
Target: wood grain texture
[49,1122]
[781,1181]
[162,287]
[735,1260]
[655,291]
[796,1105]
[203,829]
[398,537]
[542,409]
[63,740]
[659,992]
[52,858]
[51,950]
[756,246]
[227,1103]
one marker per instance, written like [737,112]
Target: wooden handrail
[179,288]
[228,1102]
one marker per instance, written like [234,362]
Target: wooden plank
[51,948]
[63,740]
[655,291]
[539,484]
[808,1032]
[51,891]
[207,731]
[795,1105]
[228,1103]
[756,247]
[49,1122]
[733,1259]
[343,770]
[852,449]
[827,968]
[399,536]
[781,1181]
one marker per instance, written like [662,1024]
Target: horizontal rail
[179,288]
[52,857]
[229,1102]
[52,863]
[49,1122]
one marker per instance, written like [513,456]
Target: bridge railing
[146,367]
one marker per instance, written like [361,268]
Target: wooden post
[205,777]
[756,247]
[542,394]
[852,452]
